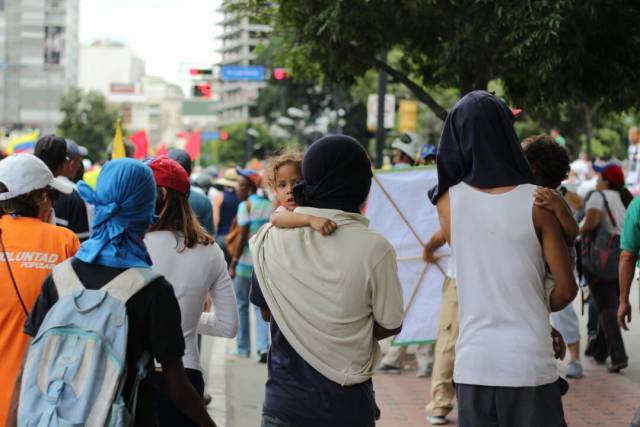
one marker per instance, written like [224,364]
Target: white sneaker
[437,420]
[574,370]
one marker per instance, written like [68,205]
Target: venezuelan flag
[23,144]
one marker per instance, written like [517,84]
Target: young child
[549,164]
[283,173]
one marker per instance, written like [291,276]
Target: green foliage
[88,120]
[545,52]
[232,151]
[313,97]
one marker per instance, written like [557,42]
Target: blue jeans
[241,286]
[268,421]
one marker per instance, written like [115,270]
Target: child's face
[286,177]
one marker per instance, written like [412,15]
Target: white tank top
[504,321]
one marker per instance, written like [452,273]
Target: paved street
[598,399]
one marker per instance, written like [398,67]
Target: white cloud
[165,33]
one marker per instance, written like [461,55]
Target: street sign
[243,72]
[210,135]
[389,112]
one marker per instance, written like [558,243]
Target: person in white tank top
[505,372]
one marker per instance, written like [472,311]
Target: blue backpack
[76,366]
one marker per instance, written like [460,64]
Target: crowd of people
[111,282]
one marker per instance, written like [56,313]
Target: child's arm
[296,220]
[554,202]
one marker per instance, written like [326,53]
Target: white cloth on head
[505,334]
[326,292]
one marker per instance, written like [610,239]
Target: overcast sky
[165,33]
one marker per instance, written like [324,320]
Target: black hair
[182,157]
[549,161]
[27,205]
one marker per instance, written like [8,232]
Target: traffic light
[280,74]
[224,135]
[201,71]
[202,90]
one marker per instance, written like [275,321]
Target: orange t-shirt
[33,249]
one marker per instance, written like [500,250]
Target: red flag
[162,150]
[139,139]
[193,144]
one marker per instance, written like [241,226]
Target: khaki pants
[395,356]
[442,391]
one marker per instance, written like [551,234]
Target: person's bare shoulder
[543,218]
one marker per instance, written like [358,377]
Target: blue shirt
[201,206]
[254,216]
[228,211]
[299,394]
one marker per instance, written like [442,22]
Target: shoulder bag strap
[606,205]
[13,279]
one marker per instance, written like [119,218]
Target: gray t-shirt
[616,206]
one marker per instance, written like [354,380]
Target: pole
[380,131]
[248,147]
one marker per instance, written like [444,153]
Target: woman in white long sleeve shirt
[194,264]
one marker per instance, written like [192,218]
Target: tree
[318,100]
[88,120]
[232,151]
[545,52]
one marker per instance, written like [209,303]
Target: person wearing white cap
[406,150]
[29,249]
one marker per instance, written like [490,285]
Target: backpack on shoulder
[76,367]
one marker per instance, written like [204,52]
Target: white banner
[398,194]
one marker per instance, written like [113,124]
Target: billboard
[53,45]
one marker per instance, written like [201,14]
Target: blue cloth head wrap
[124,202]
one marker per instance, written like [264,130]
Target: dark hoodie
[479,146]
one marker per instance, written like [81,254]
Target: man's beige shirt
[326,292]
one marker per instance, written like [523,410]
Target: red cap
[253,176]
[612,173]
[169,174]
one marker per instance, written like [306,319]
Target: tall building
[107,67]
[38,60]
[146,103]
[164,108]
[240,37]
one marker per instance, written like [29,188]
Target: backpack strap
[129,282]
[65,279]
[606,205]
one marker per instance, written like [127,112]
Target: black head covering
[337,175]
[479,146]
[182,157]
